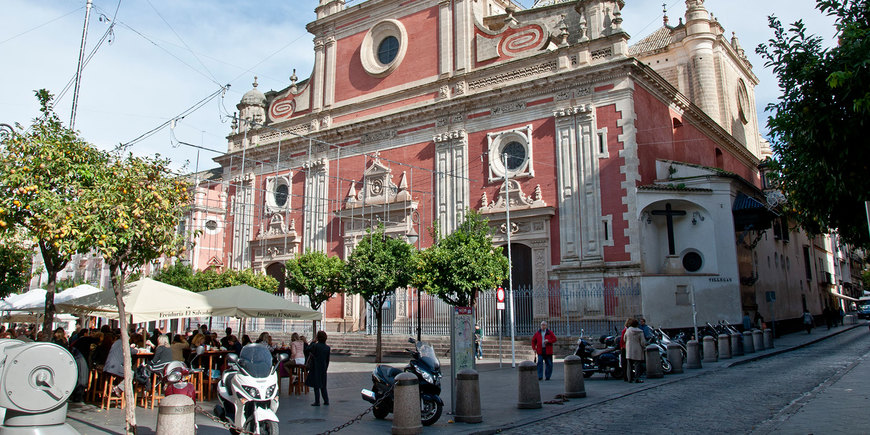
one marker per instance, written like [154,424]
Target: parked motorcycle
[175,377]
[600,360]
[425,365]
[678,339]
[656,340]
[248,390]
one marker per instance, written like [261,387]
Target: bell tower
[699,40]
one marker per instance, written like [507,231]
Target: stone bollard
[653,362]
[768,339]
[176,416]
[748,346]
[757,340]
[529,390]
[675,356]
[724,346]
[574,385]
[693,355]
[736,347]
[710,349]
[468,397]
[406,405]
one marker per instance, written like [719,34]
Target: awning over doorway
[751,214]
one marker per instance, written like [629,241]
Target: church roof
[657,40]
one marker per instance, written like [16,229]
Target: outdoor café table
[215,360]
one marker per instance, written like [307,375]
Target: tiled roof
[657,40]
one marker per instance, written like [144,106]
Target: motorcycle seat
[597,352]
[388,373]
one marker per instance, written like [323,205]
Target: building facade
[619,165]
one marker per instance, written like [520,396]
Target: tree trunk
[378,350]
[130,409]
[52,269]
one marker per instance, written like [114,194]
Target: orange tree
[46,172]
[315,275]
[139,205]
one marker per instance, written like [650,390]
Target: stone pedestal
[574,384]
[693,355]
[673,265]
[736,348]
[468,397]
[528,389]
[653,362]
[748,346]
[710,350]
[175,415]
[724,346]
[758,339]
[675,356]
[406,405]
[768,339]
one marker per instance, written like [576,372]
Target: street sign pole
[507,214]
[499,306]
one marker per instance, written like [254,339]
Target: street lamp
[414,239]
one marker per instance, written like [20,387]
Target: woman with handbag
[316,366]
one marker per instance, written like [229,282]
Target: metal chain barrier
[359,417]
[350,422]
[220,421]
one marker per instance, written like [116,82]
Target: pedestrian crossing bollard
[710,349]
[468,397]
[768,339]
[748,345]
[757,340]
[175,415]
[675,356]
[736,347]
[724,346]
[406,405]
[529,391]
[653,362]
[693,355]
[574,385]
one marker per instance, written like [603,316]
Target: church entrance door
[521,272]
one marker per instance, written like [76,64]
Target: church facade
[618,165]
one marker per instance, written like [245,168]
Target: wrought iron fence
[568,309]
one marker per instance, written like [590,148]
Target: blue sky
[166,55]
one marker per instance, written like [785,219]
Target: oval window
[281,193]
[516,155]
[388,49]
[211,225]
[692,261]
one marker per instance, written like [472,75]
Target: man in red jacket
[542,343]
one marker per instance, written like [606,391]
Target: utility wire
[41,25]
[180,116]
[182,41]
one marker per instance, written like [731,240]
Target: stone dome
[253,97]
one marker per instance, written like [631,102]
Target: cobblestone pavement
[821,388]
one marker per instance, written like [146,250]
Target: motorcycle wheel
[266,427]
[380,412]
[618,373]
[430,412]
[666,366]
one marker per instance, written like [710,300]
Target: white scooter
[248,390]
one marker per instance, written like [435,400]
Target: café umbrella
[146,300]
[244,301]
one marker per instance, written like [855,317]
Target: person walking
[747,321]
[826,313]
[542,343]
[622,361]
[634,350]
[808,321]
[318,354]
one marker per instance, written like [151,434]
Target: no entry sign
[499,298]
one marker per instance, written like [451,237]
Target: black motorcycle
[425,365]
[600,360]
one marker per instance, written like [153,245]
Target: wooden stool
[108,384]
[298,373]
[156,389]
[93,392]
[196,378]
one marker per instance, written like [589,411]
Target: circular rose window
[383,48]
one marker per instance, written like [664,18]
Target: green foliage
[15,264]
[47,171]
[69,283]
[377,267]
[316,275]
[184,277]
[459,265]
[820,122]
